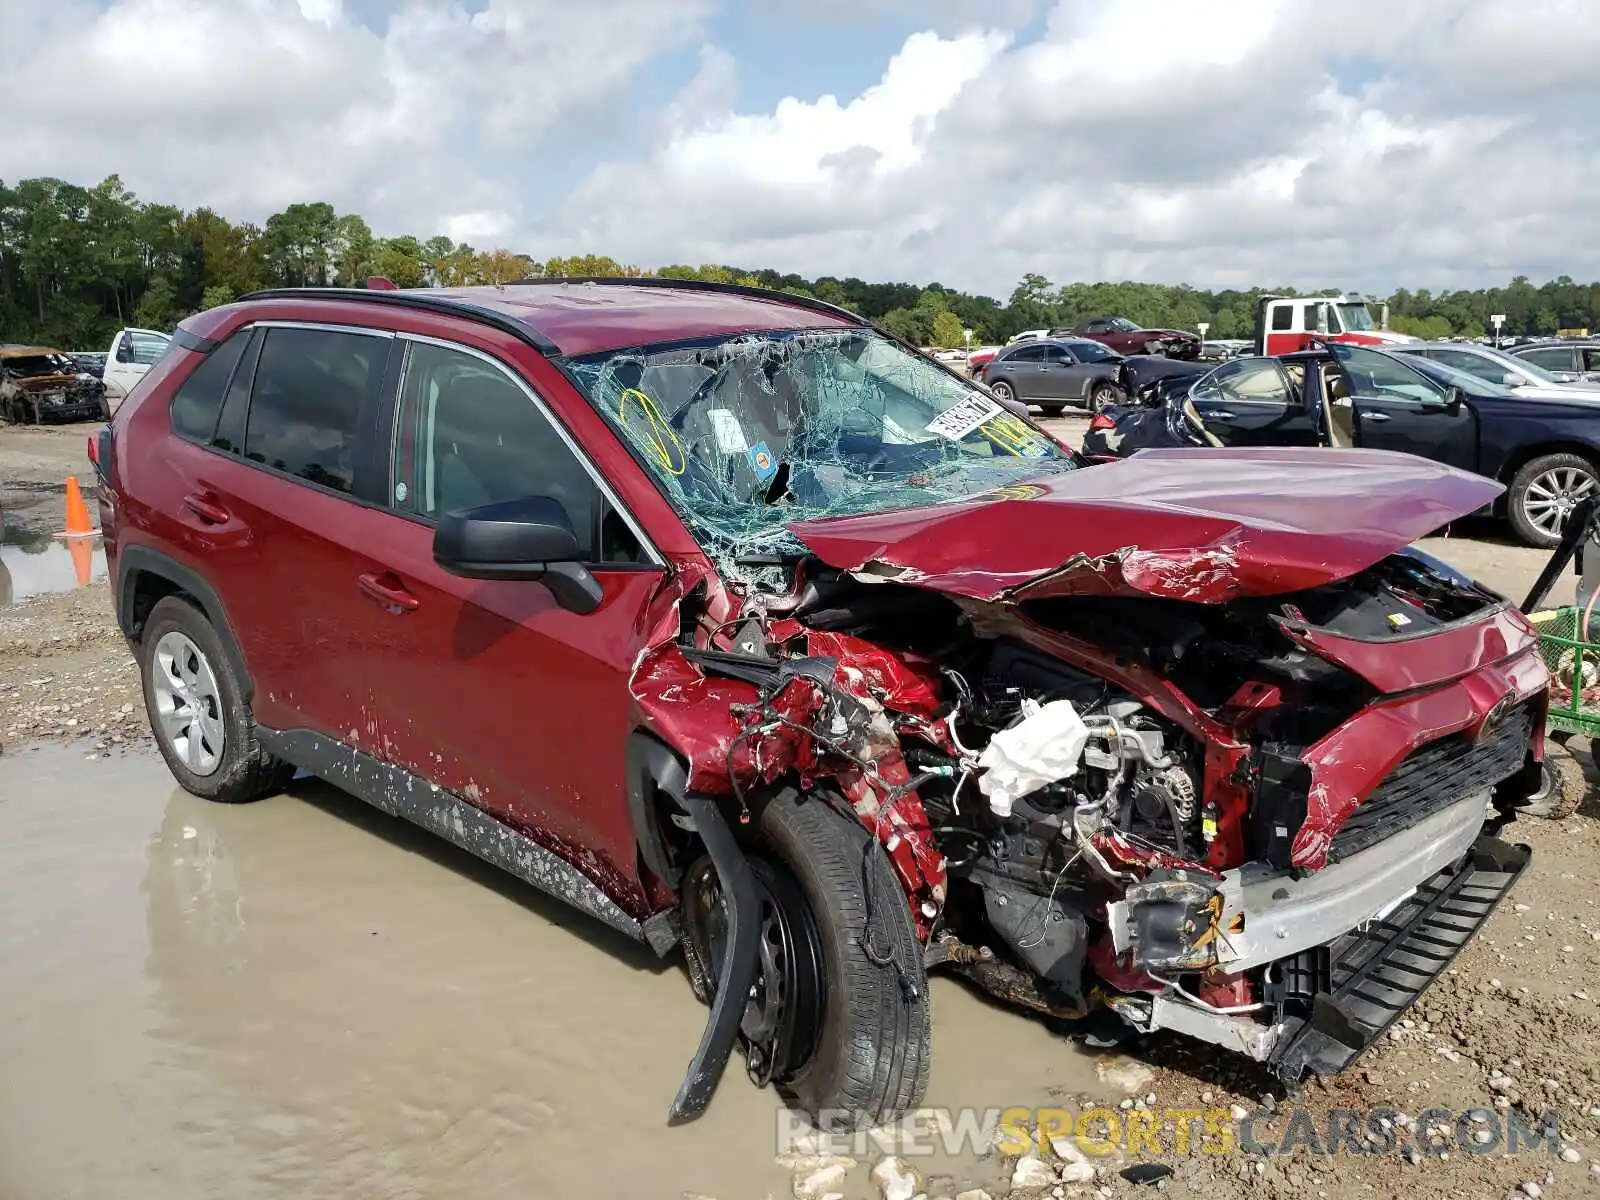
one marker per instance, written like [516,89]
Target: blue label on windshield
[762,462]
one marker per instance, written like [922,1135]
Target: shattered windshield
[749,433]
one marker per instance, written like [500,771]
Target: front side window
[1591,358]
[1380,376]
[311,388]
[1475,365]
[198,400]
[745,435]
[467,434]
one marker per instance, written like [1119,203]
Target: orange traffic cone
[77,515]
[82,552]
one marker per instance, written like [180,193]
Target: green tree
[947,330]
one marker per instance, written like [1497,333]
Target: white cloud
[1424,143]
[1263,141]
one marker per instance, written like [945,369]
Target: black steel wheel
[784,1014]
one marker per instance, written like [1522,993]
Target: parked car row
[1542,441]
[1566,359]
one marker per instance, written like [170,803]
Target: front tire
[1543,492]
[1562,785]
[201,722]
[1003,391]
[868,1059]
[1101,395]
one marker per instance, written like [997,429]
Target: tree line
[78,263]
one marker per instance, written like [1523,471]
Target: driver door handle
[1220,414]
[388,591]
[1377,418]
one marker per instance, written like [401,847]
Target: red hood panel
[1200,525]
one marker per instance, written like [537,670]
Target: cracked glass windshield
[747,434]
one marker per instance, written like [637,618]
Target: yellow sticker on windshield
[659,439]
[1013,435]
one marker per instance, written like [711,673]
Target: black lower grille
[1433,778]
[1345,994]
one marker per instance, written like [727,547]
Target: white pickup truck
[132,353]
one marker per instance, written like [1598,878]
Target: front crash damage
[1195,739]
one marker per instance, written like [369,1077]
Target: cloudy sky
[1366,143]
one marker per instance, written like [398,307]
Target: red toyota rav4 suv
[745,628]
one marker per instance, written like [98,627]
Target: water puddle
[35,564]
[304,997]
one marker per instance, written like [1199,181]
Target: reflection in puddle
[35,564]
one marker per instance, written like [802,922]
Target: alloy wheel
[188,703]
[1551,497]
[1002,391]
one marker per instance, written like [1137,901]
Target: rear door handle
[204,505]
[387,590]
[1376,418]
[1220,414]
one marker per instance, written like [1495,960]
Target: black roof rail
[445,305]
[701,285]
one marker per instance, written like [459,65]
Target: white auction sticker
[956,422]
[730,434]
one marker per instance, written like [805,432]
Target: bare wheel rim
[188,704]
[1552,495]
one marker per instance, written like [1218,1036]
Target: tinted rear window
[199,398]
[311,386]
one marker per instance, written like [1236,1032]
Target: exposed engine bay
[1100,800]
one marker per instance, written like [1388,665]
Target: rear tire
[1537,491]
[870,1059]
[201,722]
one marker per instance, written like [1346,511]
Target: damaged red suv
[747,629]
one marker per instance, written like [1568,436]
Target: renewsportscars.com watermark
[1165,1132]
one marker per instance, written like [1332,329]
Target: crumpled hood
[1205,526]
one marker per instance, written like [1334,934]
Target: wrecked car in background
[1542,445]
[746,629]
[38,384]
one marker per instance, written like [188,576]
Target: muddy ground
[304,997]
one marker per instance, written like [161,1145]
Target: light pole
[1202,326]
[966,335]
[1497,320]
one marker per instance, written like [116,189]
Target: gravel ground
[1514,1024]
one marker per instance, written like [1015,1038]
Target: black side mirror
[525,539]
